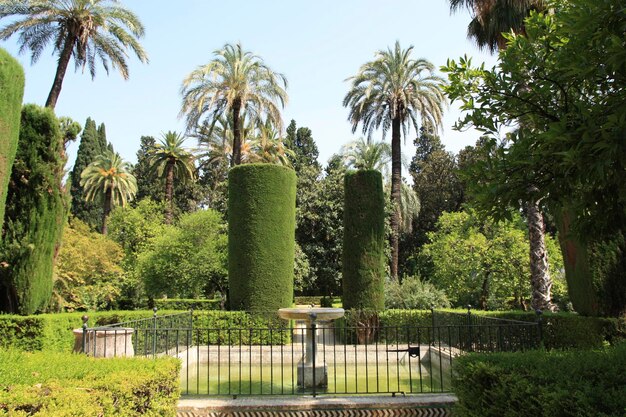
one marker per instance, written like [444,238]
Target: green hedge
[187,304]
[560,330]
[53,332]
[11,93]
[364,241]
[239,327]
[261,236]
[62,384]
[539,383]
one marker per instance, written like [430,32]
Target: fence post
[432,319]
[313,317]
[539,314]
[85,318]
[469,328]
[154,329]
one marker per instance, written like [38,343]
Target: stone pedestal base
[114,342]
[305,375]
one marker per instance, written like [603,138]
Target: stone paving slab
[421,405]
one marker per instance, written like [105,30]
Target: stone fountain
[312,370]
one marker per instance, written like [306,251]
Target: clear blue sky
[316,44]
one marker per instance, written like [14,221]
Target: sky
[315,44]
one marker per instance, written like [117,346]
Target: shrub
[57,384]
[36,210]
[364,241]
[538,383]
[261,236]
[187,260]
[187,304]
[12,82]
[414,293]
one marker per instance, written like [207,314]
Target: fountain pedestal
[312,370]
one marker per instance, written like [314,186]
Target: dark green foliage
[11,92]
[577,383]
[53,332]
[56,384]
[364,241]
[92,143]
[261,236]
[301,142]
[187,304]
[233,328]
[35,216]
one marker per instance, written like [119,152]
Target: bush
[538,383]
[187,304]
[414,293]
[12,82]
[56,384]
[261,236]
[53,332]
[364,241]
[239,327]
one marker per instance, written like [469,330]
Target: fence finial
[155,309]
[85,319]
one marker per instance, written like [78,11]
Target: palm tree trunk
[541,282]
[169,192]
[396,183]
[108,197]
[64,60]
[236,134]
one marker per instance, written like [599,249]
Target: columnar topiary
[364,241]
[36,211]
[11,92]
[261,236]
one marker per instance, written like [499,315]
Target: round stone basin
[308,313]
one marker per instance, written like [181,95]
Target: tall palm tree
[171,160]
[87,30]
[234,81]
[491,18]
[108,178]
[395,91]
[216,143]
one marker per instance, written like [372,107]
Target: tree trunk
[396,183]
[108,197]
[169,192]
[64,60]
[540,280]
[236,134]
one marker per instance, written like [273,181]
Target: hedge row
[187,304]
[53,332]
[62,384]
[539,383]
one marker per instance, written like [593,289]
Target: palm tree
[216,143]
[491,18]
[235,81]
[108,178]
[171,160]
[363,154]
[87,30]
[395,91]
[268,147]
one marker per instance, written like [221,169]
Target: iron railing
[367,358]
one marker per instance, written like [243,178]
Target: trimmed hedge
[187,304]
[261,236]
[53,332]
[364,241]
[239,327]
[539,383]
[58,384]
[12,92]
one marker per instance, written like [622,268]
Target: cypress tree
[11,93]
[92,143]
[364,241]
[35,214]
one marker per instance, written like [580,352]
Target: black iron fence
[290,358]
